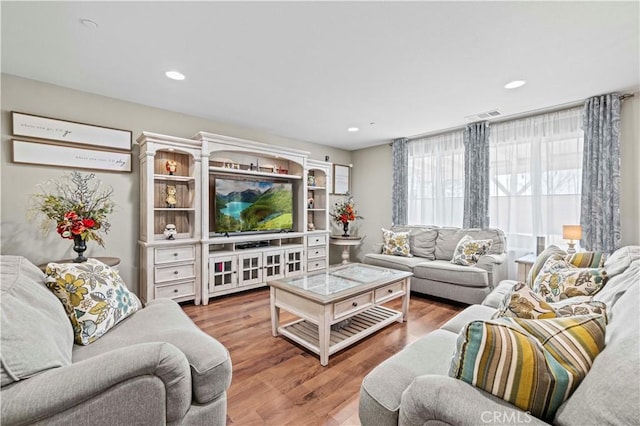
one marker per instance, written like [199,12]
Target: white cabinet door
[294,261]
[249,268]
[273,264]
[223,273]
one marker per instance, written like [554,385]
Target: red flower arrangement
[78,209]
[345,211]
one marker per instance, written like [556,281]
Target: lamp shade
[571,232]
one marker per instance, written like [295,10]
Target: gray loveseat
[433,273]
[155,367]
[413,387]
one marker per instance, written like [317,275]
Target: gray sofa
[413,387]
[155,367]
[433,273]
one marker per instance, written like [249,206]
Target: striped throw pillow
[533,364]
[586,259]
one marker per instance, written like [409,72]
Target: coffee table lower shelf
[306,333]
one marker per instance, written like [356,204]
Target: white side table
[524,266]
[345,242]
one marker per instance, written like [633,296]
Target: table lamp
[571,233]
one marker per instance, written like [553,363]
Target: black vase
[345,228]
[79,246]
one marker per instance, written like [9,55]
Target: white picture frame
[69,132]
[341,179]
[28,152]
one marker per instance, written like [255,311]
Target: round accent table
[345,242]
[109,261]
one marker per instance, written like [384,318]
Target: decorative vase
[79,246]
[345,228]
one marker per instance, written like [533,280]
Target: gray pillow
[422,240]
[36,333]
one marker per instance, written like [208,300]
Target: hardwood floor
[276,382]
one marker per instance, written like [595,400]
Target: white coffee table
[339,306]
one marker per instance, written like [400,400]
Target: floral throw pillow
[522,302]
[396,243]
[468,251]
[93,295]
[567,283]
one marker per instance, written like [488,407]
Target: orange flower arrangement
[345,211]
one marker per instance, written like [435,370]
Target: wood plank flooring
[276,382]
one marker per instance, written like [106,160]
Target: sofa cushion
[609,394]
[470,313]
[445,271]
[541,260]
[618,285]
[448,240]
[393,262]
[94,296]
[586,259]
[533,364]
[36,334]
[468,251]
[382,388]
[495,298]
[422,240]
[162,320]
[563,284]
[395,243]
[620,260]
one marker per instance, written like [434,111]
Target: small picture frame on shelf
[311,180]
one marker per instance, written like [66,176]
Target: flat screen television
[243,204]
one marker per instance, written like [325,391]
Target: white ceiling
[309,70]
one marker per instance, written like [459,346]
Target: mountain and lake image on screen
[242,205]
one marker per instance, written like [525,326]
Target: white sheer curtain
[436,180]
[536,175]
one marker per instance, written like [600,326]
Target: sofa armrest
[376,248]
[445,400]
[496,267]
[54,391]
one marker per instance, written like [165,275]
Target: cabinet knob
[175,290]
[354,304]
[390,290]
[175,272]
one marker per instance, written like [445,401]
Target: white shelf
[316,210]
[314,188]
[252,173]
[174,209]
[175,178]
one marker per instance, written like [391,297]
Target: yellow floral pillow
[93,295]
[396,243]
[468,250]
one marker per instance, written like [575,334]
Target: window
[436,180]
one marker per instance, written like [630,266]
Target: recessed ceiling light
[89,23]
[515,84]
[174,75]
[352,129]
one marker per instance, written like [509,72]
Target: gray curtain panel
[600,201]
[400,181]
[476,176]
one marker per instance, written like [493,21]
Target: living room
[45,92]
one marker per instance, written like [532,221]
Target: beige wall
[20,237]
[373,171]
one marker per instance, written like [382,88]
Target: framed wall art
[70,156]
[69,132]
[341,179]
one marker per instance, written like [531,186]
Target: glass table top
[341,278]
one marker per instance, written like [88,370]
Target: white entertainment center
[197,263]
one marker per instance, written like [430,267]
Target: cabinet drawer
[176,290]
[175,272]
[175,254]
[316,252]
[390,292]
[352,304]
[316,240]
[316,264]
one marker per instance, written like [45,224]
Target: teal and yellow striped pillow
[586,259]
[533,364]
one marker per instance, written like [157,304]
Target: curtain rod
[518,116]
